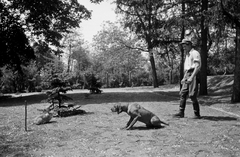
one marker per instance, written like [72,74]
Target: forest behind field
[42,48]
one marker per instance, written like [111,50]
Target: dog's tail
[164,123]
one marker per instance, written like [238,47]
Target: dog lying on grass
[138,113]
[44,118]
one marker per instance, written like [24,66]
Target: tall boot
[180,114]
[197,115]
[196,108]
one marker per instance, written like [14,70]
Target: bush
[93,81]
[38,89]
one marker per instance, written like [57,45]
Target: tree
[15,48]
[143,19]
[36,19]
[50,18]
[160,23]
[113,56]
[70,42]
[43,54]
[230,10]
[168,62]
[197,17]
[204,48]
[82,57]
[236,84]
[181,49]
[82,64]
[195,26]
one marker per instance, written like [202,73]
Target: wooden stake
[25,115]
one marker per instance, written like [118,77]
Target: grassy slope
[220,91]
[220,84]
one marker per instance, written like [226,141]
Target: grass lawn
[96,132]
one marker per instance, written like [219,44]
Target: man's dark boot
[197,115]
[180,114]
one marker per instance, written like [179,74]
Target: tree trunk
[69,58]
[154,74]
[182,52]
[204,51]
[236,84]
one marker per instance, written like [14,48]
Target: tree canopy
[38,20]
[30,28]
[113,53]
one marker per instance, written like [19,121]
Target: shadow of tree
[17,101]
[51,122]
[146,128]
[114,97]
[220,85]
[74,113]
[211,99]
[220,82]
[219,118]
[219,90]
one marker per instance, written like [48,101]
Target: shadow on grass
[214,99]
[17,101]
[74,113]
[114,97]
[219,118]
[219,90]
[146,128]
[218,82]
[50,122]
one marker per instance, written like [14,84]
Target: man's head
[186,44]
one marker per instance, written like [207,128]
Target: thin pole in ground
[25,115]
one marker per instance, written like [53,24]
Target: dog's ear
[119,109]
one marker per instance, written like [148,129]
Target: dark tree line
[22,21]
[29,27]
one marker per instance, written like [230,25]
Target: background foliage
[40,43]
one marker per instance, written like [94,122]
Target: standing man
[192,66]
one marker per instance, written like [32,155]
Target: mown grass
[15,141]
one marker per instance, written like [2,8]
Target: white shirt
[191,59]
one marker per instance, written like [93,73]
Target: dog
[138,113]
[44,118]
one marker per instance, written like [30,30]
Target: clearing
[96,133]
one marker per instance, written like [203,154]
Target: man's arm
[195,71]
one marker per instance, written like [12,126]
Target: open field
[96,133]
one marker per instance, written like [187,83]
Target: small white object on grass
[43,119]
